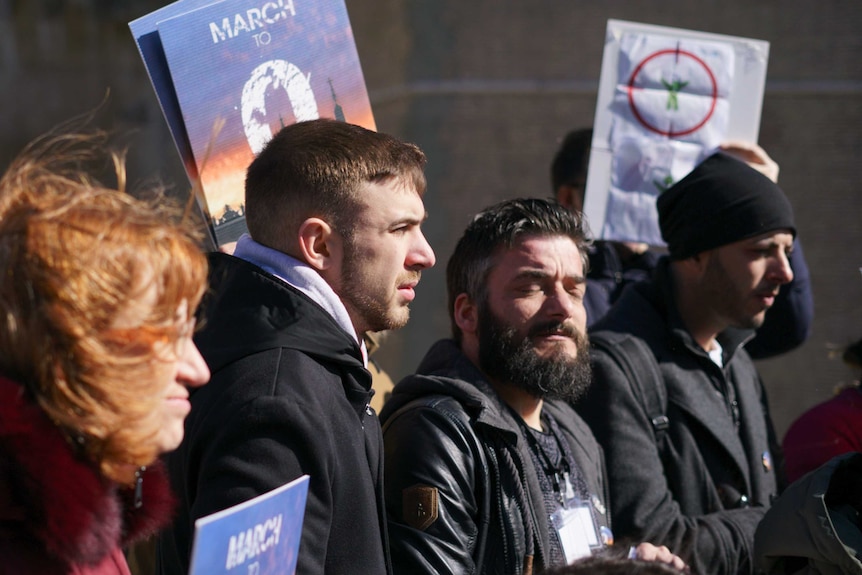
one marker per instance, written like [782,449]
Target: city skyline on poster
[242,69]
[667,98]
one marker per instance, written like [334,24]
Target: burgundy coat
[58,514]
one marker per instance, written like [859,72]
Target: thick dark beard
[508,359]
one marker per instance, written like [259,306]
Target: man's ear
[466,314]
[571,198]
[695,265]
[317,243]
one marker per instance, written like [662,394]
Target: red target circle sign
[671,132]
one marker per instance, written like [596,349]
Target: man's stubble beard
[726,297]
[376,312]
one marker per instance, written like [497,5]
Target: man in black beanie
[614,265]
[676,401]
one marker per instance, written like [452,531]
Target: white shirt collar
[301,276]
[715,354]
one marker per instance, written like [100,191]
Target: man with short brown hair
[334,250]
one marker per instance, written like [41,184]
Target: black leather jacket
[446,428]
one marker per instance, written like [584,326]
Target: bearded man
[488,469]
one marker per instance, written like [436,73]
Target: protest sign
[667,98]
[229,74]
[258,537]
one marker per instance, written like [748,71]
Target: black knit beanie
[721,201]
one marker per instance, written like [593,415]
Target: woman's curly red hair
[74,255]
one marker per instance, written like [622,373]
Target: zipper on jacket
[139,487]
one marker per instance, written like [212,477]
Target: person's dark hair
[569,167]
[599,565]
[500,227]
[315,169]
[852,355]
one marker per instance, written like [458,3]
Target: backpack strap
[634,357]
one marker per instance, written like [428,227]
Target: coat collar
[301,276]
[447,371]
[78,515]
[248,310]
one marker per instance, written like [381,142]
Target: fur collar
[78,515]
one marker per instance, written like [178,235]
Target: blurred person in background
[830,428]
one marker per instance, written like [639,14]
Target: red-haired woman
[97,303]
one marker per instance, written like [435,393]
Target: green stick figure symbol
[664,184]
[672,91]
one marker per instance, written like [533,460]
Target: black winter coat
[702,489]
[288,396]
[446,428]
[814,527]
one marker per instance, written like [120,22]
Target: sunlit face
[537,288]
[532,327]
[175,366]
[180,366]
[742,279]
[383,261]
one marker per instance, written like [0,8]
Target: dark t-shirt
[552,456]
